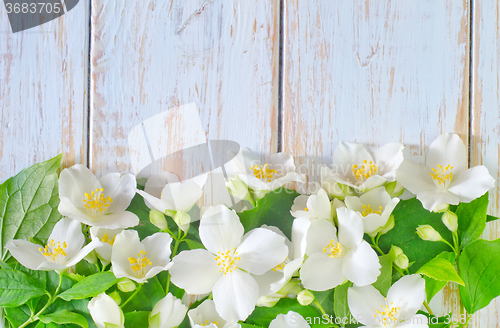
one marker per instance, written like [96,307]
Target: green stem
[375,245]
[428,308]
[448,243]
[455,242]
[178,240]
[320,308]
[131,296]
[51,300]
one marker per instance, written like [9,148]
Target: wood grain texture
[485,119]
[374,72]
[225,61]
[43,83]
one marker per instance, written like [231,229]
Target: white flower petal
[195,271]
[260,250]
[171,310]
[203,313]
[290,320]
[74,182]
[116,220]
[415,177]
[26,253]
[320,205]
[69,231]
[300,227]
[361,265]
[82,253]
[299,203]
[103,309]
[220,229]
[472,183]
[408,293]
[157,182]
[364,302]
[371,183]
[120,187]
[68,209]
[235,295]
[350,227]
[319,235]
[266,280]
[431,199]
[281,162]
[126,245]
[320,272]
[153,202]
[181,196]
[158,248]
[447,149]
[287,273]
[388,158]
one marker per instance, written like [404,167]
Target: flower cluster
[282,251]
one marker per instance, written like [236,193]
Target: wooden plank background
[367,71]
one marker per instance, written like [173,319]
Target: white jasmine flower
[97,203]
[313,207]
[290,320]
[443,179]
[355,167]
[399,309]
[334,257]
[63,249]
[107,237]
[374,207]
[226,266]
[175,198]
[263,177]
[205,315]
[105,312]
[169,312]
[273,280]
[137,260]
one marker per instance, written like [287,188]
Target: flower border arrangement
[78,251]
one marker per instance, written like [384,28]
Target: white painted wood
[374,72]
[225,61]
[43,91]
[485,120]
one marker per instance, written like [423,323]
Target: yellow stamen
[263,172]
[280,266]
[367,209]
[105,239]
[52,252]
[227,261]
[388,314]
[96,203]
[140,263]
[365,170]
[443,175]
[334,249]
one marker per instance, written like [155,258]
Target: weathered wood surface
[485,118]
[43,95]
[373,72]
[225,61]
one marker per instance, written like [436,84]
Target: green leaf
[409,214]
[136,319]
[16,288]
[384,280]
[472,219]
[17,315]
[273,210]
[90,286]
[340,300]
[193,244]
[433,286]
[325,299]
[150,293]
[479,265]
[440,269]
[28,204]
[262,316]
[490,218]
[64,316]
